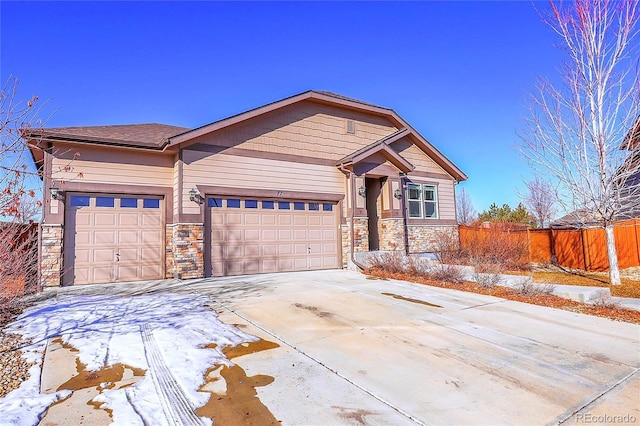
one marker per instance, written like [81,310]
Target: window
[414,200]
[150,203]
[283,205]
[430,201]
[326,207]
[129,202]
[268,205]
[233,203]
[298,205]
[214,202]
[105,201]
[79,200]
[250,204]
[422,201]
[314,206]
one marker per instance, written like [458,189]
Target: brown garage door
[113,238]
[249,236]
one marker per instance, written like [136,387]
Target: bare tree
[19,200]
[540,200]
[465,212]
[576,128]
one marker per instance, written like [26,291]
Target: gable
[307,129]
[420,160]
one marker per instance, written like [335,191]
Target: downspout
[353,209]
[403,185]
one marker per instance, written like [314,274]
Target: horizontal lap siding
[307,129]
[201,168]
[446,197]
[113,166]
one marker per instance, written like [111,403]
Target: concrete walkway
[355,350]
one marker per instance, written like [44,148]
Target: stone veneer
[424,238]
[50,254]
[185,250]
[360,235]
[391,234]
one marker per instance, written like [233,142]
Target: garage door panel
[285,234]
[102,255]
[105,219]
[285,249]
[315,220]
[129,219]
[82,220]
[252,250]
[268,219]
[234,219]
[285,219]
[252,235]
[83,237]
[102,274]
[149,219]
[251,219]
[104,237]
[269,234]
[329,248]
[300,220]
[150,272]
[269,250]
[151,237]
[128,273]
[269,240]
[128,237]
[129,254]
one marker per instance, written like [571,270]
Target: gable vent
[351,127]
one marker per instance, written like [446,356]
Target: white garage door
[249,236]
[113,238]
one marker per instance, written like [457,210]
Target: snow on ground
[106,330]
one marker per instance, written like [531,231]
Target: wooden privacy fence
[570,247]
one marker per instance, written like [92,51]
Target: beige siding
[176,187]
[307,129]
[446,196]
[421,161]
[111,165]
[202,168]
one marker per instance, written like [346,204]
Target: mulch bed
[548,300]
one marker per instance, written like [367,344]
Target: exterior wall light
[397,193]
[362,191]
[55,192]
[195,196]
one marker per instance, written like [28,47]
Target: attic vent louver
[351,128]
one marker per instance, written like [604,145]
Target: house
[298,184]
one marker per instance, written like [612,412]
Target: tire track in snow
[177,407]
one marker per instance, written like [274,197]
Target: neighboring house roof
[150,136]
[632,139]
[575,219]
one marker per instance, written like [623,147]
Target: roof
[150,136]
[331,99]
[162,137]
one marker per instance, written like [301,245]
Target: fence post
[584,249]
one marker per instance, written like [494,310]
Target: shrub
[499,244]
[445,273]
[527,287]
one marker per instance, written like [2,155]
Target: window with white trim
[422,201]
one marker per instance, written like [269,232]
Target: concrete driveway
[356,350]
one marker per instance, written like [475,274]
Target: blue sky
[458,72]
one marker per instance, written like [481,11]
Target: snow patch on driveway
[106,330]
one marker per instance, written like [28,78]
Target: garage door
[113,238]
[249,236]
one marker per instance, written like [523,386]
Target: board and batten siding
[111,165]
[204,168]
[306,129]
